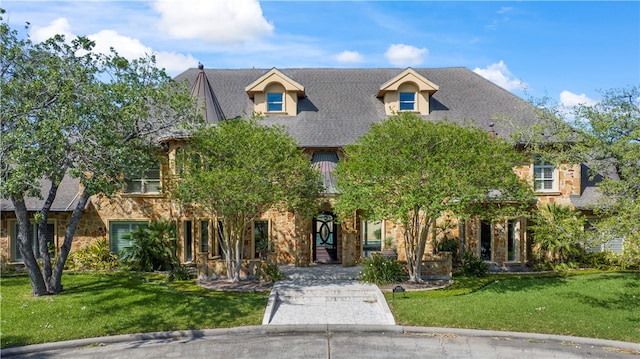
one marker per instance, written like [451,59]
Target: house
[324,110]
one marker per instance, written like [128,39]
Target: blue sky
[567,51]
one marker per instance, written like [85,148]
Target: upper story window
[275,102]
[543,176]
[146,182]
[407,101]
[407,91]
[274,93]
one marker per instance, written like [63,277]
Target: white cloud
[126,46]
[58,26]
[499,74]
[570,99]
[405,55]
[349,56]
[223,21]
[132,48]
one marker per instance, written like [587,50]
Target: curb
[302,329]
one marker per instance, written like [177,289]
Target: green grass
[596,305]
[100,304]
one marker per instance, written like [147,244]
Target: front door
[325,248]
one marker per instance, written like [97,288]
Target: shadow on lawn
[509,283]
[612,295]
[144,305]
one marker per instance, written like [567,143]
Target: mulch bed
[255,285]
[249,285]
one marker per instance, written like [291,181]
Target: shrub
[557,236]
[94,256]
[179,272]
[380,270]
[473,265]
[152,248]
[606,260]
[270,272]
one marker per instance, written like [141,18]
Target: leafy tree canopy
[412,171]
[66,109]
[607,138]
[238,169]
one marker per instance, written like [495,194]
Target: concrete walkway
[325,294]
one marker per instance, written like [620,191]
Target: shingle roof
[341,104]
[66,198]
[590,197]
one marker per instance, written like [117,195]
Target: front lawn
[98,304]
[596,305]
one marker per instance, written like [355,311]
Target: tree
[558,235]
[239,168]
[68,110]
[413,171]
[605,135]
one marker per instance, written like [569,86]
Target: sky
[567,51]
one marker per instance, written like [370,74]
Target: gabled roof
[408,75]
[341,104]
[270,77]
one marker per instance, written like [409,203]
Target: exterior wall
[567,178]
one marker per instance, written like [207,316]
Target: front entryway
[325,246]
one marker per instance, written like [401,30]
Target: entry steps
[335,301]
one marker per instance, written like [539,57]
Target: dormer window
[275,102]
[408,91]
[407,101]
[274,93]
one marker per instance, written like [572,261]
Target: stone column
[349,238]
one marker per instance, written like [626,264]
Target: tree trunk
[55,283]
[42,236]
[25,246]
[415,237]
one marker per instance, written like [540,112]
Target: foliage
[94,256]
[473,266]
[239,168]
[581,303]
[152,247]
[110,303]
[605,260]
[380,270]
[271,272]
[558,235]
[179,272]
[606,137]
[68,110]
[411,171]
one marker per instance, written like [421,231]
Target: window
[407,101]
[371,237]
[204,236]
[188,241]
[220,240]
[512,240]
[275,102]
[260,238]
[543,176]
[117,231]
[146,182]
[17,256]
[485,240]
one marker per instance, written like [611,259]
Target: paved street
[334,342]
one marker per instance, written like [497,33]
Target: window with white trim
[543,176]
[275,102]
[17,256]
[407,101]
[146,182]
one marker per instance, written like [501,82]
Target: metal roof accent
[326,162]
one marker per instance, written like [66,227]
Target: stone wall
[437,266]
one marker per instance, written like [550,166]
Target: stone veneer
[291,235]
